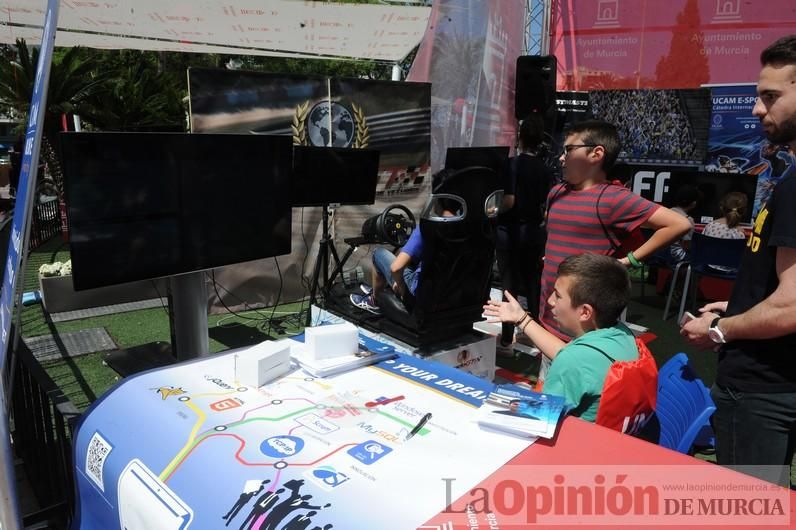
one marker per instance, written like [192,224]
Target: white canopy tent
[287,28]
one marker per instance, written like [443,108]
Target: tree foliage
[122,90]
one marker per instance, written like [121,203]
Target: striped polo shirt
[574,228]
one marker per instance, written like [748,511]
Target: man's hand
[714,307]
[624,261]
[510,311]
[696,331]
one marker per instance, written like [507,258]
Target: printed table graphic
[189,447]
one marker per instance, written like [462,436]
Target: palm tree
[138,97]
[72,81]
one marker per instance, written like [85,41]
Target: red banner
[469,55]
[608,44]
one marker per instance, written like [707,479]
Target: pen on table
[419,425]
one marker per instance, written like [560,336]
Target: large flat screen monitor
[712,187]
[333,175]
[146,205]
[495,158]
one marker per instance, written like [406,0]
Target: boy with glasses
[585,213]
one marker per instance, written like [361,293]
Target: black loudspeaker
[535,87]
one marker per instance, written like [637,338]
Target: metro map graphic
[190,447]
[232,416]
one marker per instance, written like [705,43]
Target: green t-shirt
[578,372]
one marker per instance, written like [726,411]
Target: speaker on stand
[535,85]
[534,93]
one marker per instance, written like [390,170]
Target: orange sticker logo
[224,404]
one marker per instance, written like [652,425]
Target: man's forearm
[773,317]
[399,285]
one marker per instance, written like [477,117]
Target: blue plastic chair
[684,406]
[714,257]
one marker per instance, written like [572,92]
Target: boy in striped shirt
[585,212]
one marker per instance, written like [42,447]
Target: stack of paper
[521,411]
[336,365]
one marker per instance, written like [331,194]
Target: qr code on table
[96,454]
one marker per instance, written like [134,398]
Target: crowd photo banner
[609,44]
[666,126]
[391,117]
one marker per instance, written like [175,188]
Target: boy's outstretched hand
[510,311]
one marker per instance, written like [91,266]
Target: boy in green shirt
[589,295]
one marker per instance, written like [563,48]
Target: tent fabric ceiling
[291,28]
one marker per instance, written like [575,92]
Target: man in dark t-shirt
[520,241]
[755,390]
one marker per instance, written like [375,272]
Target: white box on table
[330,341]
[262,363]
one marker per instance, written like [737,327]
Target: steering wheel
[395,224]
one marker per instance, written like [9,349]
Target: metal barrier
[46,222]
[42,420]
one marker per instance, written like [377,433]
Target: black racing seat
[458,253]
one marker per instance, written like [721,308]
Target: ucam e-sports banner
[606,44]
[388,116]
[737,143]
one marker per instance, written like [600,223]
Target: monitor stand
[188,324]
[189,312]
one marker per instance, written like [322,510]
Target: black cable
[155,285]
[304,282]
[278,296]
[239,315]
[306,250]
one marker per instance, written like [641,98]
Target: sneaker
[364,302]
[366,289]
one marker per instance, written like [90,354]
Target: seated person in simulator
[733,208]
[590,293]
[403,270]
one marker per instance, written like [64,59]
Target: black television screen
[495,158]
[333,175]
[145,205]
[712,187]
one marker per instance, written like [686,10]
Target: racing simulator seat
[457,260]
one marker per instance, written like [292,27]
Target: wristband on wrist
[635,263]
[521,323]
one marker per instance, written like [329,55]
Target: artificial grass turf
[84,378]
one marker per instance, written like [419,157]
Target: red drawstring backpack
[629,392]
